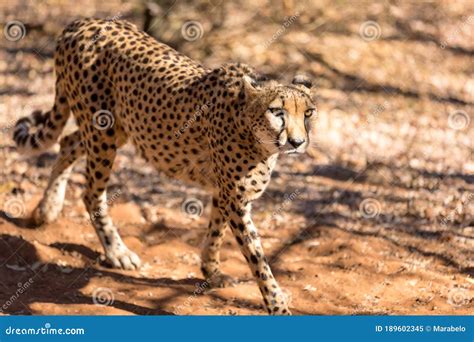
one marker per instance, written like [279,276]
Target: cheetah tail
[47,128]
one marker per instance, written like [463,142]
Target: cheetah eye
[278,112]
[310,112]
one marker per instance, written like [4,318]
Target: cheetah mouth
[286,149]
[293,151]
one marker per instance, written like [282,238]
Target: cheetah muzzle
[221,129]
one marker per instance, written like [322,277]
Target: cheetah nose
[296,142]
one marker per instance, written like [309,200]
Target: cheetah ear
[250,85]
[302,80]
[255,88]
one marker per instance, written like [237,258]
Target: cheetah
[218,128]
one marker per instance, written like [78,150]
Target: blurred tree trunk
[151,10]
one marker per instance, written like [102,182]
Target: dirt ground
[378,217]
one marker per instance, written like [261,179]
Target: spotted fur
[221,129]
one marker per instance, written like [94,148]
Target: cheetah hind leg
[52,202]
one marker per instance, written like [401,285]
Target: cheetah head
[280,116]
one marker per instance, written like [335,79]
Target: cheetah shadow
[19,221]
[20,267]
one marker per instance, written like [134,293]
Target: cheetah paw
[123,258]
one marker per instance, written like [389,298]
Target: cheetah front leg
[95,200]
[245,232]
[211,252]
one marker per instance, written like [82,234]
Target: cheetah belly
[182,163]
[197,172]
